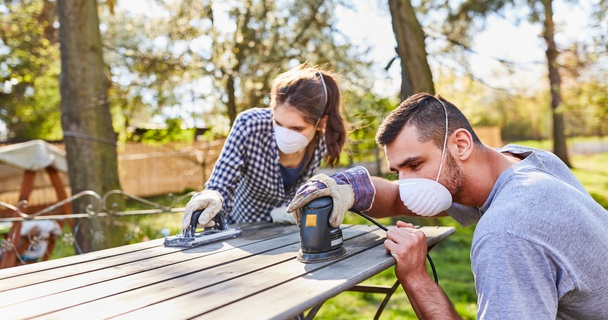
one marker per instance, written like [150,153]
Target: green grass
[548,144]
[592,172]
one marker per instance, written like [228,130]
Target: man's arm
[353,189]
[408,246]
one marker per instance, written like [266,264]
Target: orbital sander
[319,241]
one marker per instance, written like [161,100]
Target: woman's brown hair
[315,93]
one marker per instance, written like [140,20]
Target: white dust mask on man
[426,197]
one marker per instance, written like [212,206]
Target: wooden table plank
[154,281]
[263,279]
[17,299]
[316,288]
[160,271]
[184,283]
[256,232]
[28,275]
[7,274]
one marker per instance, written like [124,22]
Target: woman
[270,152]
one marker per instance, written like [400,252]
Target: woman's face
[291,118]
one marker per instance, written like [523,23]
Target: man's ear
[463,142]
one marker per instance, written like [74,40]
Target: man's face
[410,158]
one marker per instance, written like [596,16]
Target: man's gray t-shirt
[540,248]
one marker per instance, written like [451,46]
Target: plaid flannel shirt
[247,173]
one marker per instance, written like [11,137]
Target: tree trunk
[89,137]
[231,106]
[415,71]
[559,137]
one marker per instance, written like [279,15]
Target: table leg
[388,291]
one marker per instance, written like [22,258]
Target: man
[540,247]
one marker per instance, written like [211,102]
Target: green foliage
[177,60]
[584,92]
[174,132]
[29,70]
[520,116]
[364,113]
[153,57]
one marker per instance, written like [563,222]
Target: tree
[89,137]
[555,83]
[539,11]
[156,61]
[584,79]
[218,59]
[268,37]
[416,74]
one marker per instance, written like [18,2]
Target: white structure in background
[15,161]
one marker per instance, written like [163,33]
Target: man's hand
[208,200]
[408,246]
[352,188]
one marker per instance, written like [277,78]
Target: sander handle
[191,229]
[220,223]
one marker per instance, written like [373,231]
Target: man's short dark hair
[425,112]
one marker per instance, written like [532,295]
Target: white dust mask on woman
[289,141]
[426,197]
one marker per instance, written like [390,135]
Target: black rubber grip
[194,221]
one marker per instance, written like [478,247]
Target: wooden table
[253,276]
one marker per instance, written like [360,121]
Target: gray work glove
[210,201]
[352,188]
[280,215]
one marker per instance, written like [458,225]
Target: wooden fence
[144,170]
[490,136]
[147,170]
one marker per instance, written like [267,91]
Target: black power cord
[428,257]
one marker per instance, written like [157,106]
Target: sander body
[319,241]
